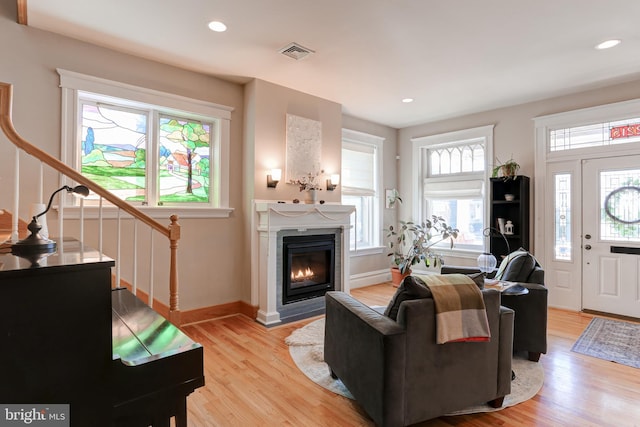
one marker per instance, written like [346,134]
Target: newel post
[174,236]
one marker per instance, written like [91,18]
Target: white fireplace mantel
[270,217]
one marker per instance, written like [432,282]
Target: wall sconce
[273,178]
[333,182]
[35,243]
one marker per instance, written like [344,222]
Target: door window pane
[620,205]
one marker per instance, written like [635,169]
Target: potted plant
[412,243]
[507,170]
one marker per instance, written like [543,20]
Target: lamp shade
[487,262]
[276,174]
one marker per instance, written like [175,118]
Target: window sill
[373,250]
[111,212]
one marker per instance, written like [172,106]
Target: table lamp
[35,243]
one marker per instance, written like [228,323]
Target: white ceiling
[453,56]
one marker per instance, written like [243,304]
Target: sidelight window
[562,217]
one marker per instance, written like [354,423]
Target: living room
[256,143]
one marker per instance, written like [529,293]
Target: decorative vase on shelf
[312,197]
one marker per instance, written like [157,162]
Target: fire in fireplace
[308,266]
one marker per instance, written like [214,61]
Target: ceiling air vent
[295,51]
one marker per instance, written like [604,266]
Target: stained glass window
[144,156]
[114,149]
[160,150]
[184,160]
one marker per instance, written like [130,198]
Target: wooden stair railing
[172,231]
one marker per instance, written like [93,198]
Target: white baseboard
[369,278]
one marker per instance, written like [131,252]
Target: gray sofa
[397,372]
[530,325]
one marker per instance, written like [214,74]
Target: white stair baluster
[41,183]
[82,220]
[151,271]
[100,226]
[118,249]
[135,256]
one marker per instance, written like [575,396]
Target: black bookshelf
[516,210]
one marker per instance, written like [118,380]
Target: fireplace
[276,222]
[309,266]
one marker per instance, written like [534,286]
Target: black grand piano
[67,338]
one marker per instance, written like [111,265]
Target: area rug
[613,340]
[306,346]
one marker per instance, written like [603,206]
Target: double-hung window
[361,182]
[149,148]
[450,180]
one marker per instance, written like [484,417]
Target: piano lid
[140,335]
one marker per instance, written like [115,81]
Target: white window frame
[73,84]
[377,142]
[420,166]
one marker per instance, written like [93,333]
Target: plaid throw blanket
[460,310]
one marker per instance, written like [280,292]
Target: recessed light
[217,26]
[608,44]
[407,100]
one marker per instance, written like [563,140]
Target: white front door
[611,235]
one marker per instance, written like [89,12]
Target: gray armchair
[397,372]
[530,325]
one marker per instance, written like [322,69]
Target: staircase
[13,229]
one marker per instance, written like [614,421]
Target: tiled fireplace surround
[272,222]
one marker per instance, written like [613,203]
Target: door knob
[588,236]
[587,247]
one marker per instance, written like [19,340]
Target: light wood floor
[252,381]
